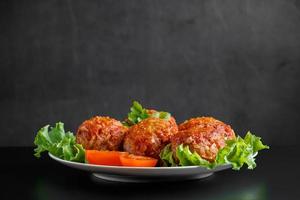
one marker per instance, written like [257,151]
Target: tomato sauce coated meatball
[101,133]
[204,135]
[149,137]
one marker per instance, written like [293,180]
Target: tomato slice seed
[137,161]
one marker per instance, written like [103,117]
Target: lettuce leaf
[59,143]
[237,153]
[138,113]
[187,158]
[241,151]
[166,155]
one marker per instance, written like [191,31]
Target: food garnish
[104,157]
[131,160]
[59,143]
[138,113]
[237,152]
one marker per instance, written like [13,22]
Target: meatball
[204,135]
[101,133]
[149,137]
[199,121]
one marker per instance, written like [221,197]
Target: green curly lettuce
[237,153]
[138,113]
[241,151]
[166,155]
[59,143]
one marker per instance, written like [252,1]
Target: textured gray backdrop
[237,60]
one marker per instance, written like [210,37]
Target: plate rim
[127,167]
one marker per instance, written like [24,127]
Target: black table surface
[25,177]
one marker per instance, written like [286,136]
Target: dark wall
[237,60]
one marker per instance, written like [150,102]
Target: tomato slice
[104,157]
[137,161]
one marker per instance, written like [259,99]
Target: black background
[237,60]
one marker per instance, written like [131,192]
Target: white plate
[142,174]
